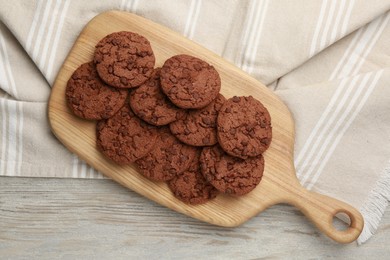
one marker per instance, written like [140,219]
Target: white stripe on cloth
[248,25]
[192,18]
[361,50]
[355,58]
[254,35]
[56,41]
[12,138]
[20,138]
[340,114]
[326,120]
[342,129]
[189,18]
[12,118]
[129,5]
[317,127]
[318,28]
[4,136]
[368,38]
[34,23]
[331,21]
[340,14]
[89,173]
[256,40]
[257,6]
[347,54]
[328,23]
[135,6]
[351,68]
[195,19]
[7,81]
[97,175]
[371,44]
[11,146]
[37,43]
[48,36]
[347,17]
[83,169]
[75,164]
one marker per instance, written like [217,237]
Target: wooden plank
[279,183]
[46,218]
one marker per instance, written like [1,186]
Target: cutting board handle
[321,210]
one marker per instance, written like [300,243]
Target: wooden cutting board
[279,183]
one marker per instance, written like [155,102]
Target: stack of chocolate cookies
[171,121]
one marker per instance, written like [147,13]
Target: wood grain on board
[279,183]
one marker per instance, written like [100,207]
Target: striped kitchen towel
[328,60]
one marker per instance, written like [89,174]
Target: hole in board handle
[341,221]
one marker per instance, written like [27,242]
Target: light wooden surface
[79,135]
[279,183]
[99,219]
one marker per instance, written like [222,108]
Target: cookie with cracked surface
[244,127]
[150,104]
[168,158]
[191,187]
[230,174]
[124,59]
[199,127]
[89,97]
[189,82]
[124,137]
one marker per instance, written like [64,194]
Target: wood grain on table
[43,218]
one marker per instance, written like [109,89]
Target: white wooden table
[98,219]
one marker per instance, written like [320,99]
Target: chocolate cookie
[244,127]
[230,174]
[125,138]
[150,103]
[199,127]
[189,82]
[191,187]
[124,59]
[168,158]
[89,97]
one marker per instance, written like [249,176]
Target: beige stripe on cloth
[328,60]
